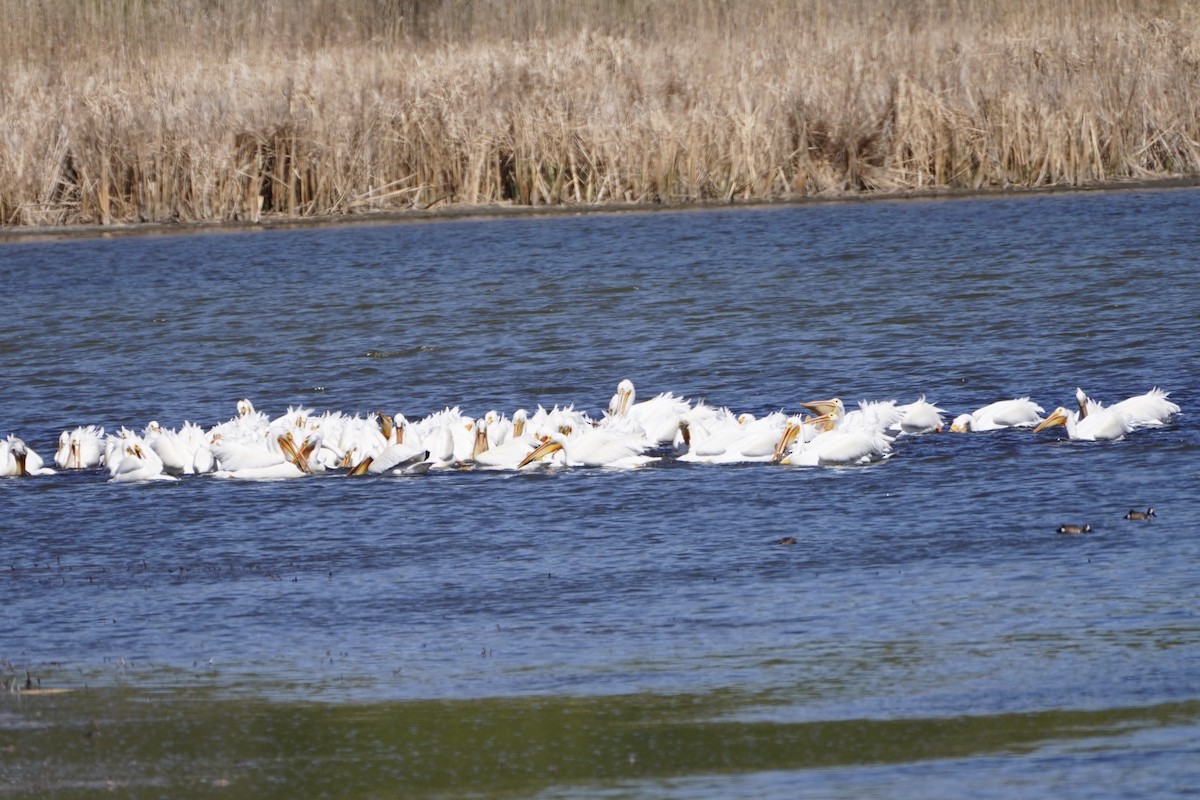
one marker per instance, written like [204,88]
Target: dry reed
[139,110]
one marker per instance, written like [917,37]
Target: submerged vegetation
[120,111]
[195,741]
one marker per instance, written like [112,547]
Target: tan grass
[215,110]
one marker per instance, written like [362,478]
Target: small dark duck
[1074,528]
[1142,515]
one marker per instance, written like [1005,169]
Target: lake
[614,633]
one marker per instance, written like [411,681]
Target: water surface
[601,633]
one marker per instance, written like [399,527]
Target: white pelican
[396,459]
[248,425]
[920,416]
[240,461]
[592,447]
[734,440]
[870,414]
[80,448]
[180,450]
[1092,422]
[860,442]
[346,441]
[1020,412]
[508,454]
[18,460]
[657,418]
[448,435]
[135,462]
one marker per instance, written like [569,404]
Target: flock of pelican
[254,446]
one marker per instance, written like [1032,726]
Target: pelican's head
[20,453]
[361,467]
[520,417]
[399,424]
[540,452]
[385,425]
[833,406]
[786,440]
[245,408]
[828,412]
[299,455]
[1059,417]
[623,399]
[481,438]
[1082,399]
[962,423]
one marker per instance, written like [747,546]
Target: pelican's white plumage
[1149,410]
[180,449]
[448,435]
[1020,412]
[137,462]
[18,460]
[839,448]
[592,447]
[920,416]
[81,448]
[735,439]
[1092,422]
[282,459]
[656,419]
[840,440]
[507,454]
[249,425]
[398,458]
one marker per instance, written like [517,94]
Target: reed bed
[208,110]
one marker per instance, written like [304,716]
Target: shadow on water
[141,743]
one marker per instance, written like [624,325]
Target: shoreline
[445,212]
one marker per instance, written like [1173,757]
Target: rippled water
[599,633]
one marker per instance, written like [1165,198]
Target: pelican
[592,447]
[734,440]
[875,414]
[1020,412]
[920,416]
[346,441]
[241,462]
[1092,422]
[657,418]
[137,462]
[18,460]
[249,425]
[80,448]
[179,450]
[841,445]
[396,459]
[448,435]
[508,454]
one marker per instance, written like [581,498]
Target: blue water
[932,585]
